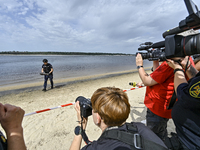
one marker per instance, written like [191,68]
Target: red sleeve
[162,73]
[191,60]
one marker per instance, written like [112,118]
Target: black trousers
[46,79]
[174,143]
[157,124]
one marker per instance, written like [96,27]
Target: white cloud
[86,25]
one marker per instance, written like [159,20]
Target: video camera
[176,45]
[85,106]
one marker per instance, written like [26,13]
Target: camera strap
[172,101]
[83,134]
[131,137]
[186,67]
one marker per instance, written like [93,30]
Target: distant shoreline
[59,53]
[17,88]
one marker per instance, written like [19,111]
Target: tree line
[58,53]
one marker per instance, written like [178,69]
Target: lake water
[26,68]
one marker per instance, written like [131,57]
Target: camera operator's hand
[139,84]
[77,108]
[173,64]
[185,62]
[139,60]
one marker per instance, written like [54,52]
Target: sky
[110,26]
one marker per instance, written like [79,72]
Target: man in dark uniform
[48,69]
[186,111]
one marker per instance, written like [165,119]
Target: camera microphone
[146,43]
[159,44]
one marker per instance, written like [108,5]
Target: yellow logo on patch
[195,90]
[3,139]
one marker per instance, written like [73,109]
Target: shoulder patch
[195,90]
[3,139]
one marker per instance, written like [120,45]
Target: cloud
[86,25]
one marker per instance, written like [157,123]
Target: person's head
[45,61]
[111,104]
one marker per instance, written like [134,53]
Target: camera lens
[191,45]
[146,55]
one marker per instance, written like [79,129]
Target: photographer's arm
[146,79]
[179,76]
[76,144]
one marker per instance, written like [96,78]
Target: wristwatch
[138,67]
[77,130]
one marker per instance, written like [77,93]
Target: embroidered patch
[3,139]
[195,90]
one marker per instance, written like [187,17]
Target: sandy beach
[55,129]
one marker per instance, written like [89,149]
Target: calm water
[23,69]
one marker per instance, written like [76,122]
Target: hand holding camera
[78,110]
[173,64]
[139,60]
[83,107]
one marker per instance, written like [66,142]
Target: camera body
[153,54]
[85,106]
[176,45]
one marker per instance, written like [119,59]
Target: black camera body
[85,106]
[153,54]
[176,45]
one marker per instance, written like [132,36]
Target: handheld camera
[85,106]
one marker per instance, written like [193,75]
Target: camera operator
[11,121]
[186,111]
[160,88]
[110,109]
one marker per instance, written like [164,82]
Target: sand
[55,129]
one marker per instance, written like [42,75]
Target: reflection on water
[17,69]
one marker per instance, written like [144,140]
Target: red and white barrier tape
[133,88]
[40,111]
[37,112]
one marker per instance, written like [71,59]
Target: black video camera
[176,45]
[85,106]
[153,54]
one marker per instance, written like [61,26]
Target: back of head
[45,60]
[112,105]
